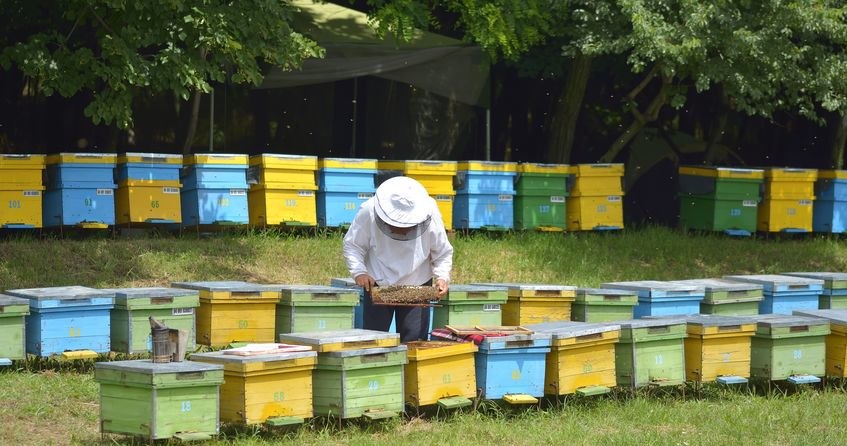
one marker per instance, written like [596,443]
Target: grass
[60,406]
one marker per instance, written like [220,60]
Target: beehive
[834,293]
[21,191]
[159,400]
[268,388]
[540,193]
[470,305]
[80,190]
[440,373]
[342,340]
[484,195]
[789,348]
[650,352]
[214,190]
[836,341]
[13,311]
[722,199]
[603,305]
[512,367]
[659,298]
[282,190]
[830,208]
[130,323]
[233,311]
[717,348]
[67,319]
[595,202]
[148,189]
[581,359]
[784,294]
[343,185]
[530,303]
[788,198]
[436,176]
[728,298]
[314,308]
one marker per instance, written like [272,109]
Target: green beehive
[167,400]
[728,298]
[12,330]
[720,198]
[789,348]
[540,193]
[650,352]
[130,318]
[603,305]
[470,305]
[314,308]
[834,295]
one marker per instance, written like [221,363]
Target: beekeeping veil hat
[402,202]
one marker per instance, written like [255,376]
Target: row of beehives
[79,321]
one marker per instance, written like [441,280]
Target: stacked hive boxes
[130,324]
[470,305]
[834,294]
[440,373]
[650,352]
[726,297]
[657,298]
[784,294]
[484,195]
[788,198]
[789,348]
[282,190]
[214,190]
[314,308]
[13,310]
[720,198]
[536,303]
[148,189]
[512,367]
[540,193]
[343,185]
[830,209]
[717,348]
[596,199]
[603,305]
[20,191]
[436,176]
[80,190]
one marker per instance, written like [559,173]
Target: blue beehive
[834,295]
[657,298]
[148,167]
[485,193]
[830,208]
[67,319]
[512,367]
[784,294]
[80,190]
[343,185]
[214,190]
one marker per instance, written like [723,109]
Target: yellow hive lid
[347,163]
[156,158]
[543,168]
[285,161]
[791,174]
[722,172]
[17,161]
[488,166]
[422,350]
[428,166]
[605,170]
[216,158]
[82,158]
[832,174]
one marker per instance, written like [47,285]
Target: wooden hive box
[581,359]
[512,367]
[789,348]
[650,352]
[784,294]
[603,305]
[155,401]
[80,190]
[834,294]
[728,298]
[268,388]
[21,191]
[470,305]
[130,323]
[341,340]
[717,348]
[67,319]
[660,298]
[234,311]
[836,341]
[13,311]
[304,308]
[536,303]
[440,373]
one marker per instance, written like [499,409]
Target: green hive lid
[223,357]
[603,292]
[336,336]
[835,316]
[567,330]
[148,367]
[832,280]
[633,324]
[773,281]
[11,301]
[136,293]
[316,293]
[61,293]
[784,320]
[652,285]
[365,351]
[716,284]
[223,285]
[529,286]
[716,320]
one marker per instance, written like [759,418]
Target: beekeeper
[398,238]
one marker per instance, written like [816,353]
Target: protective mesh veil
[413,232]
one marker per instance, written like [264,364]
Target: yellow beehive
[582,358]
[536,303]
[272,204]
[717,346]
[269,388]
[597,179]
[440,373]
[785,214]
[587,213]
[435,176]
[148,201]
[283,171]
[790,183]
[21,190]
[234,311]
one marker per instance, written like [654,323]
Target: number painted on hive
[279,396]
[660,359]
[185,406]
[14,204]
[348,206]
[798,354]
[516,375]
[154,204]
[74,332]
[446,378]
[223,201]
[242,324]
[373,385]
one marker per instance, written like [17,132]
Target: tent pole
[212,120]
[355,121]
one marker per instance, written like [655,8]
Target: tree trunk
[192,123]
[566,114]
[839,141]
[640,119]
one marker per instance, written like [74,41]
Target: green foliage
[117,49]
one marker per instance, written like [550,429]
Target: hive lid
[832,280]
[565,330]
[717,284]
[61,293]
[6,300]
[142,292]
[365,351]
[476,288]
[652,285]
[316,289]
[836,316]
[336,336]
[772,281]
[715,320]
[343,282]
[529,286]
[783,320]
[224,285]
[648,323]
[603,292]
[148,367]
[222,356]
[82,158]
